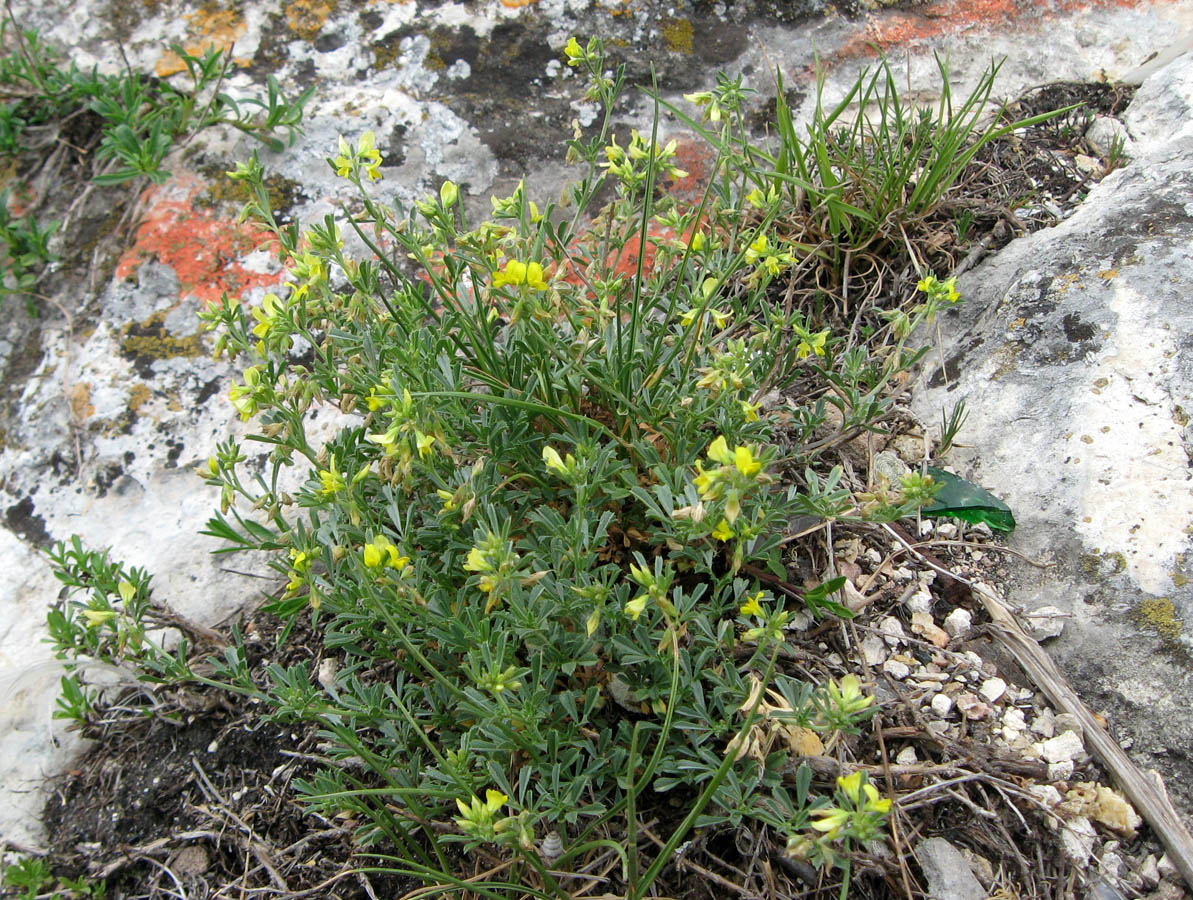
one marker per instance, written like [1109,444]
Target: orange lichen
[697,158]
[517,4]
[210,28]
[897,28]
[202,248]
[306,18]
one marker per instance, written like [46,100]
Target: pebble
[973,659]
[907,757]
[946,530]
[873,650]
[919,602]
[1061,771]
[1069,722]
[1045,623]
[1077,838]
[958,622]
[1044,724]
[923,625]
[1064,747]
[992,689]
[947,871]
[896,669]
[892,631]
[971,707]
[1013,718]
[942,705]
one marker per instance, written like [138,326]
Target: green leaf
[964,500]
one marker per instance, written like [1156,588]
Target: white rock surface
[958,622]
[1063,748]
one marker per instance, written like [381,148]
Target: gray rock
[949,875]
[1073,344]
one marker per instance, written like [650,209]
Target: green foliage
[141,119]
[107,616]
[30,877]
[529,555]
[868,166]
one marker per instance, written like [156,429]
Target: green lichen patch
[147,342]
[1097,565]
[224,191]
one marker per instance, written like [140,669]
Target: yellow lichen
[149,340]
[306,18]
[677,35]
[138,397]
[211,28]
[1160,613]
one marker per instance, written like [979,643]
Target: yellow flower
[830,820]
[424,442]
[723,532]
[718,451]
[745,462]
[331,479]
[382,551]
[366,149]
[635,607]
[97,617]
[343,162]
[519,273]
[573,51]
[555,463]
[750,410]
[851,785]
[752,607]
[448,194]
[477,561]
[811,343]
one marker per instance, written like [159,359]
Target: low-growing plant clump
[105,130]
[546,559]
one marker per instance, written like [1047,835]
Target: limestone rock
[949,875]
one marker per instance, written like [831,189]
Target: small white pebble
[907,757]
[946,530]
[873,650]
[919,602]
[896,669]
[992,689]
[1061,771]
[1062,748]
[926,527]
[1013,718]
[1044,724]
[942,705]
[958,622]
[892,631]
